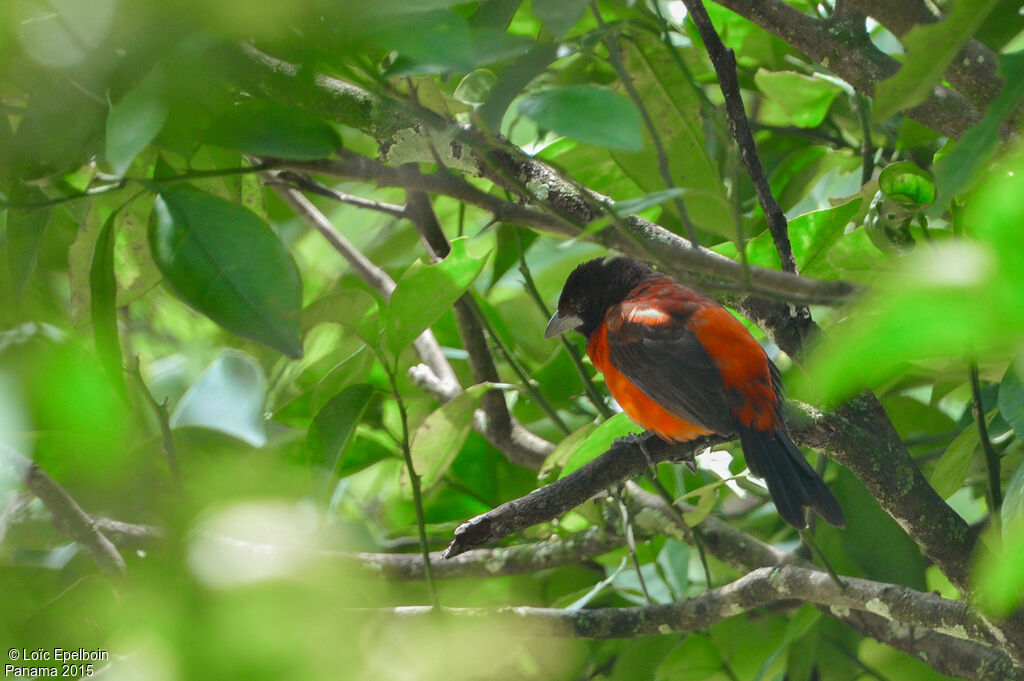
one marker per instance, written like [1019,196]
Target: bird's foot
[639,440]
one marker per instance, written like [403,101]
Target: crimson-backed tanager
[681,365]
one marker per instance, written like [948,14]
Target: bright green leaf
[907,183]
[228,398]
[440,436]
[425,292]
[588,114]
[270,128]
[951,470]
[705,503]
[794,99]
[999,579]
[598,442]
[228,264]
[565,449]
[930,48]
[334,424]
[354,309]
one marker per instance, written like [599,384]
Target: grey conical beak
[560,323]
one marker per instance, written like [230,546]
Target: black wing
[668,363]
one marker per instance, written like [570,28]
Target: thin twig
[163,418]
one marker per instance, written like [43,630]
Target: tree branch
[724,62]
[519,444]
[759,588]
[855,59]
[68,516]
[973,72]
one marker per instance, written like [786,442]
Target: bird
[681,365]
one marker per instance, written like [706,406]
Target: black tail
[791,481]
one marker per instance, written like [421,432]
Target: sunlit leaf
[228,264]
[565,449]
[440,436]
[589,114]
[425,292]
[598,442]
[228,398]
[907,183]
[952,468]
[792,98]
[956,170]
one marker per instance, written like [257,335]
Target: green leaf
[588,114]
[425,292]
[440,41]
[333,426]
[999,578]
[955,171]
[476,87]
[228,264]
[270,128]
[565,449]
[1012,510]
[354,309]
[951,470]
[630,206]
[558,16]
[598,442]
[695,659]
[25,229]
[907,183]
[811,235]
[103,303]
[705,503]
[1011,395]
[440,436]
[930,49]
[133,122]
[794,99]
[675,106]
[228,398]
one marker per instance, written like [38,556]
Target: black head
[591,289]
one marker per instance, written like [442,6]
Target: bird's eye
[577,309]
